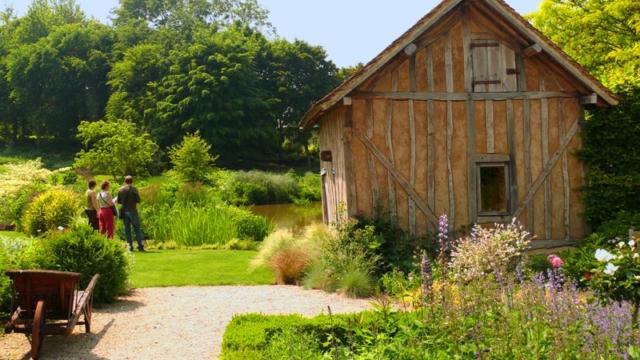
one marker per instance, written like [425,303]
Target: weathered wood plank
[373,177]
[491,145]
[412,166]
[512,155]
[544,115]
[464,96]
[565,176]
[448,61]
[352,206]
[471,135]
[527,160]
[546,170]
[393,205]
[431,177]
[404,183]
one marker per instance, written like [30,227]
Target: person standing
[106,213]
[91,209]
[129,197]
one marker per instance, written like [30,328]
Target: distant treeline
[170,66]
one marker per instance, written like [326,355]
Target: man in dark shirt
[129,198]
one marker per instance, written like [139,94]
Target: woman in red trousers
[106,213]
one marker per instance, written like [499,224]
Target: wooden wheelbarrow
[48,303]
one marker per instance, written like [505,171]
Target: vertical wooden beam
[448,61]
[471,132]
[373,177]
[491,147]
[352,204]
[431,177]
[512,156]
[565,175]
[412,135]
[544,115]
[393,206]
[528,178]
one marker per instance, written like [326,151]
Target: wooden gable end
[470,94]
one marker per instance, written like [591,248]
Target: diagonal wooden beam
[404,183]
[546,170]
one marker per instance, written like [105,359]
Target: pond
[290,216]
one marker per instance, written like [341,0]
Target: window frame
[493,160]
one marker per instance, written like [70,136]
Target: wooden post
[544,114]
[448,60]
[373,177]
[431,178]
[393,207]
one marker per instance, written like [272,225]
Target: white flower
[637,277]
[620,244]
[604,255]
[610,269]
[61,228]
[632,243]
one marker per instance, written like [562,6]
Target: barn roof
[446,6]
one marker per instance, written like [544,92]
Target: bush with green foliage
[16,253]
[54,208]
[88,252]
[192,158]
[348,261]
[309,188]
[12,208]
[289,255]
[260,188]
[117,148]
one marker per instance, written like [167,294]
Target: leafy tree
[61,78]
[602,35]
[117,148]
[214,86]
[192,159]
[185,14]
[298,74]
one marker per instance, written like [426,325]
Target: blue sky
[351,31]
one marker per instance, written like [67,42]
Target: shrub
[14,177]
[494,251]
[16,253]
[12,208]
[356,283]
[260,188]
[290,255]
[192,159]
[49,210]
[87,252]
[310,188]
[288,264]
[248,225]
[347,261]
[617,275]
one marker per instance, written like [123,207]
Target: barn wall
[417,128]
[335,172]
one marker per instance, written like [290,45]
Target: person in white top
[107,210]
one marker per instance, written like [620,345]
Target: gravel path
[176,323]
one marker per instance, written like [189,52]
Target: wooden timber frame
[471,85]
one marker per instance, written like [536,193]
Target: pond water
[290,216]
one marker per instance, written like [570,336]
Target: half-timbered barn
[472,113]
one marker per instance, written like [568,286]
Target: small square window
[493,188]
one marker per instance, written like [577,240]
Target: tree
[117,148]
[61,78]
[297,75]
[602,35]
[192,159]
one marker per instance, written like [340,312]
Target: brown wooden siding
[417,129]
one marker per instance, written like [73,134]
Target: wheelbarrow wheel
[37,328]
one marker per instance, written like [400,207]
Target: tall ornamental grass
[189,225]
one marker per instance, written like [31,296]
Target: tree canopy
[170,67]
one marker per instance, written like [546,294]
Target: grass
[196,268]
[12,234]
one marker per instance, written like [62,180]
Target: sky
[351,31]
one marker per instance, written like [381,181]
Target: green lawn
[196,267]
[12,234]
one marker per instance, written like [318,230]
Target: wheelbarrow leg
[37,336]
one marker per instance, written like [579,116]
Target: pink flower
[555,261]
